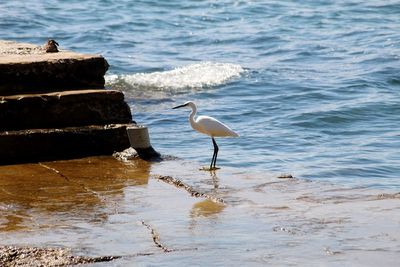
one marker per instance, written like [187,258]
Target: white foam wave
[204,74]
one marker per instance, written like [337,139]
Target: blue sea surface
[312,87]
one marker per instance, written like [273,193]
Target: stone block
[26,68]
[65,143]
[63,109]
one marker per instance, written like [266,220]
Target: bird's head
[187,104]
[52,42]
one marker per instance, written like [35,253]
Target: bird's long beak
[180,106]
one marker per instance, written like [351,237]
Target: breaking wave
[199,75]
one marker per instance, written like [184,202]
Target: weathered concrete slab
[27,68]
[63,109]
[66,143]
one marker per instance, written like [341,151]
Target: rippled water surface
[312,87]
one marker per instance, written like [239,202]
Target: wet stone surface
[104,208]
[37,257]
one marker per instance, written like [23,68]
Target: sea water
[312,88]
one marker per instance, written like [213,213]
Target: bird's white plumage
[209,126]
[213,127]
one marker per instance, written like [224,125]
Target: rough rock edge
[126,155]
[156,237]
[34,256]
[193,192]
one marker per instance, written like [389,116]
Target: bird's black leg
[215,153]
[213,157]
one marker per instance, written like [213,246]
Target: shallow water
[97,206]
[312,87]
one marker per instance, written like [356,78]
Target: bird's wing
[213,127]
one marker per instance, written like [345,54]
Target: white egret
[209,126]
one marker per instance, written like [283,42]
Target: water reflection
[206,208]
[215,179]
[51,193]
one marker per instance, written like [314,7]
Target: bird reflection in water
[215,179]
[206,208]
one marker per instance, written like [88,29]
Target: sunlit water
[312,87]
[97,205]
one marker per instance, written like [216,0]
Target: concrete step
[63,109]
[46,110]
[27,68]
[65,143]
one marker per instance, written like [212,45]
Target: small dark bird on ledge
[51,46]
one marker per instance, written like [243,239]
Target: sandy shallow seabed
[100,206]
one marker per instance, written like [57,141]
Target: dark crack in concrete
[156,237]
[193,192]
